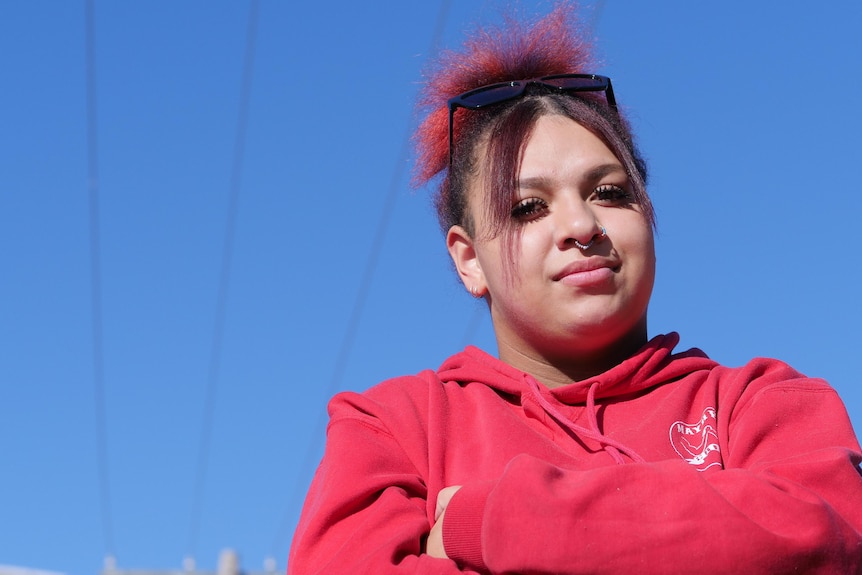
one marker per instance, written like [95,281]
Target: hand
[434,545]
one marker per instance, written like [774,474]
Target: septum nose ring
[584,247]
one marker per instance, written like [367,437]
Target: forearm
[366,511]
[634,518]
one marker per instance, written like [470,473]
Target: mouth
[587,266]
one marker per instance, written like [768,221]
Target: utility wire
[598,9]
[314,445]
[476,317]
[224,281]
[96,278]
[362,293]
[311,453]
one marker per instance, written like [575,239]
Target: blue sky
[748,113]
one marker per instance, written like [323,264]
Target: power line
[476,317]
[311,453]
[96,278]
[598,9]
[364,287]
[224,280]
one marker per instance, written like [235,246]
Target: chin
[605,332]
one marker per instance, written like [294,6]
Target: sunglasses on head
[504,91]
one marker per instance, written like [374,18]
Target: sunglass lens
[491,95]
[586,84]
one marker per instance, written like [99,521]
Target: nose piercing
[589,244]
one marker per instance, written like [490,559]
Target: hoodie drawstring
[612,447]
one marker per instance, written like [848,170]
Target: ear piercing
[584,247]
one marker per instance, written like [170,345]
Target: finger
[438,511]
[443,498]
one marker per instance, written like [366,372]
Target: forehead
[560,146]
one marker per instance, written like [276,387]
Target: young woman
[585,447]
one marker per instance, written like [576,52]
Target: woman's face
[557,300]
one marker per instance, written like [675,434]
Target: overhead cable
[312,452]
[96,280]
[224,282]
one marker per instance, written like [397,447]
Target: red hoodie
[667,463]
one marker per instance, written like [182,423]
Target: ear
[463,253]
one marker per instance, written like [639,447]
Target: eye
[613,194]
[529,209]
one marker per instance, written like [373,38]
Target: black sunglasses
[504,91]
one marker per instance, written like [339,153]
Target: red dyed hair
[514,51]
[555,44]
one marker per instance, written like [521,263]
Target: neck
[553,369]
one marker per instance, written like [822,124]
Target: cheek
[646,243]
[638,245]
[649,247]
[490,260]
[536,241]
[525,255]
[636,233]
[517,257]
[530,251]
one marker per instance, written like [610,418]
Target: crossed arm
[374,509]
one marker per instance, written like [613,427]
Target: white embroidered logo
[697,443]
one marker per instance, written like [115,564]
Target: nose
[576,225]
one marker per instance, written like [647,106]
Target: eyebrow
[592,175]
[603,170]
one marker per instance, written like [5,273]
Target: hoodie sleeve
[789,500]
[366,510]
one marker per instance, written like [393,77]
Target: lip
[586,272]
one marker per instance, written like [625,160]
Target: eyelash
[531,209]
[613,194]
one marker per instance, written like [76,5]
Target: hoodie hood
[653,364]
